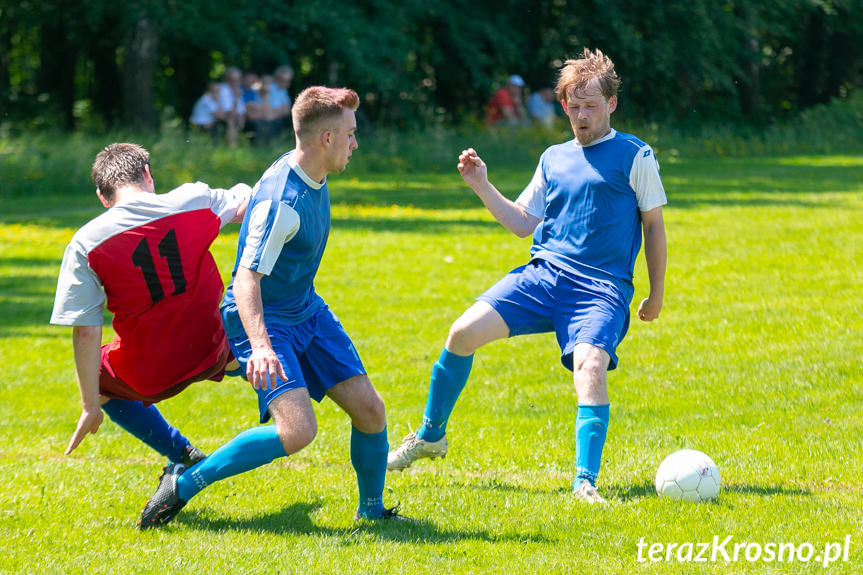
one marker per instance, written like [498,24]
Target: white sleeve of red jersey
[79,299]
[644,179]
[532,199]
[225,203]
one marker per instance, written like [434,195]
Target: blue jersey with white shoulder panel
[589,199]
[283,236]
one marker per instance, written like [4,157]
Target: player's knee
[461,339]
[377,413]
[589,360]
[296,437]
[371,415]
[590,367]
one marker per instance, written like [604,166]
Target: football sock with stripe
[448,378]
[148,425]
[369,458]
[591,425]
[250,449]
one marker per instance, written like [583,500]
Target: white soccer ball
[689,475]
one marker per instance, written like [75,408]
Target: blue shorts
[540,297]
[316,354]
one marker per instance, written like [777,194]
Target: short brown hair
[118,165]
[317,104]
[577,73]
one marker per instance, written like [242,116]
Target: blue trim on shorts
[540,297]
[316,354]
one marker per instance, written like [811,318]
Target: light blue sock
[448,378]
[148,425]
[250,449]
[591,425]
[369,458]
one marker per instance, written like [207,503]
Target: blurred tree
[5,57]
[140,53]
[105,90]
[415,62]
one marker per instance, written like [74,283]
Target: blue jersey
[589,199]
[283,237]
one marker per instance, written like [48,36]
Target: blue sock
[250,449]
[148,425]
[591,424]
[448,378]
[369,458]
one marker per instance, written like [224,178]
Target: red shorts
[115,388]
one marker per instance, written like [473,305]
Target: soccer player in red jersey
[148,258]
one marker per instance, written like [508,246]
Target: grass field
[756,360]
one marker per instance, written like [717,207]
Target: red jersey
[149,258]
[499,100]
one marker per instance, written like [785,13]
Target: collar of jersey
[605,138]
[136,197]
[304,176]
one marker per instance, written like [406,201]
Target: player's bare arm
[655,254]
[510,215]
[87,343]
[263,367]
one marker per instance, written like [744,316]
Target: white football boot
[587,492]
[413,448]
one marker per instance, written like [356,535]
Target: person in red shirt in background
[506,106]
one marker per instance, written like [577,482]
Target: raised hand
[472,169]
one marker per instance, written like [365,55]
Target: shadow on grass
[25,300]
[20,312]
[647,489]
[507,488]
[766,490]
[690,184]
[30,262]
[629,491]
[51,214]
[756,182]
[296,520]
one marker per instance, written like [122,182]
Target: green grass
[755,360]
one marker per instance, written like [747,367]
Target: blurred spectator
[206,108]
[541,107]
[251,85]
[507,104]
[251,100]
[280,97]
[232,109]
[263,120]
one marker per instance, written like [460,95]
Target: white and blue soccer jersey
[283,237]
[590,199]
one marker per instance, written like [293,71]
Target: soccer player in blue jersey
[587,205]
[293,348]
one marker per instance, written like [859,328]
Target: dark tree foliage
[417,62]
